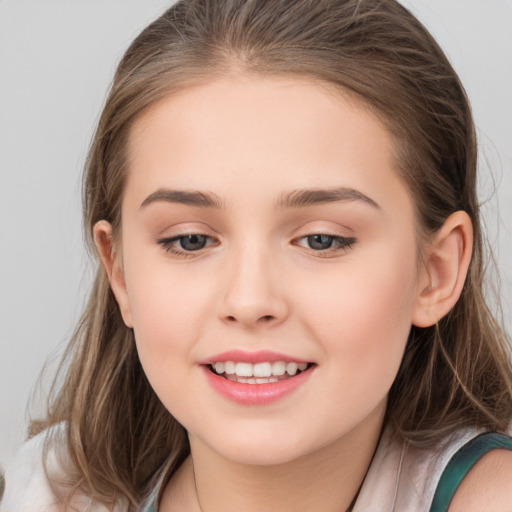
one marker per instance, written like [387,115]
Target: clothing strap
[151,507]
[460,464]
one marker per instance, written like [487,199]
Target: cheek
[168,309]
[167,323]
[363,316]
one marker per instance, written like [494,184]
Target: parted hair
[454,374]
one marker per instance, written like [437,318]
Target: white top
[27,488]
[400,478]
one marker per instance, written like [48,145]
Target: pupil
[193,242]
[320,241]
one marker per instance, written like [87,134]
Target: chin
[258,456]
[249,448]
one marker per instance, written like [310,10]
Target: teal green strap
[151,505]
[151,508]
[460,464]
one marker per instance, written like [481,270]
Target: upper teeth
[266,369]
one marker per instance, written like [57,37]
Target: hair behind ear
[456,368]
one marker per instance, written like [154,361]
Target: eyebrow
[188,197]
[299,198]
[309,197]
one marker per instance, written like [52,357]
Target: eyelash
[343,243]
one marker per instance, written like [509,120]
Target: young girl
[288,312]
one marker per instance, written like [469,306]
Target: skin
[486,486]
[259,285]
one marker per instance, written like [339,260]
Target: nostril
[265,318]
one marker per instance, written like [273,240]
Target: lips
[260,356]
[252,378]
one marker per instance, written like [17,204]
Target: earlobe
[444,270]
[112,264]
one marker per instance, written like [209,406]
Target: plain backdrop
[57,58]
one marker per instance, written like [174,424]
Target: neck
[328,479]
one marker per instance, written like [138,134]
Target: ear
[112,263]
[444,270]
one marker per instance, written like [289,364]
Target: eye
[185,244]
[326,244]
[320,242]
[192,242]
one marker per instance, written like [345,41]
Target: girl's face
[265,229]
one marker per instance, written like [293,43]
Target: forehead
[275,133]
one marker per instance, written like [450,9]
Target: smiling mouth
[259,373]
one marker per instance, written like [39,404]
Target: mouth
[256,378]
[265,372]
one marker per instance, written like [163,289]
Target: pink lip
[256,394]
[261,356]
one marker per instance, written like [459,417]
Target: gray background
[56,60]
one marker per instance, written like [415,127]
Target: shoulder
[36,478]
[26,485]
[487,486]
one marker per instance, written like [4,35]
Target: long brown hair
[454,374]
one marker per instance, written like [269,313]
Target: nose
[253,291]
